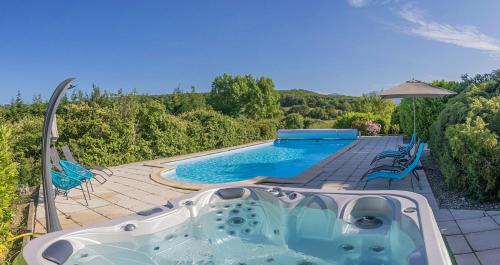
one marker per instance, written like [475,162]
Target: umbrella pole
[414,123]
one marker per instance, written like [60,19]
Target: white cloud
[464,36]
[358,3]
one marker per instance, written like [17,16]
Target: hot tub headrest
[417,257]
[230,193]
[317,202]
[149,211]
[58,252]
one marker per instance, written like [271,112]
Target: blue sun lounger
[402,151]
[397,172]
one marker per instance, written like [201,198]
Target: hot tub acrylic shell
[342,212]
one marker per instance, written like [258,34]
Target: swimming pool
[283,158]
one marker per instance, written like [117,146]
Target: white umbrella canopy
[412,89]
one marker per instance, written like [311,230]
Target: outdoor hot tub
[258,225]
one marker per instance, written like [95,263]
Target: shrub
[103,135]
[347,120]
[426,112]
[267,128]
[300,109]
[318,113]
[8,180]
[367,127]
[394,129]
[310,122]
[318,124]
[374,104]
[465,144]
[477,151]
[294,121]
[26,144]
[210,130]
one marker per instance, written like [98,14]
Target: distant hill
[283,92]
[305,92]
[312,99]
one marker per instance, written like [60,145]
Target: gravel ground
[448,198]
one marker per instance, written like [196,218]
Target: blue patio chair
[77,171]
[65,183]
[397,172]
[72,170]
[101,170]
[403,151]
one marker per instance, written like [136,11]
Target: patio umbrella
[412,89]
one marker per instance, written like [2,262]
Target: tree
[318,113]
[294,121]
[245,96]
[180,102]
[372,103]
[262,100]
[227,93]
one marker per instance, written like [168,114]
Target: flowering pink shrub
[367,127]
[372,128]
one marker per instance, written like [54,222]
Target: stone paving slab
[458,244]
[467,259]
[449,228]
[467,214]
[484,223]
[489,256]
[473,236]
[485,240]
[496,218]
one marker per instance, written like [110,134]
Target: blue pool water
[279,159]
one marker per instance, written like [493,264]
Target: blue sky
[333,46]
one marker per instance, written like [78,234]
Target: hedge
[127,130]
[8,180]
[464,140]
[350,119]
[426,112]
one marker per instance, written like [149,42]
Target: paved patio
[472,236]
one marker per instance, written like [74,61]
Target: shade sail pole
[52,221]
[414,123]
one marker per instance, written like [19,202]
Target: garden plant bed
[447,197]
[18,227]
